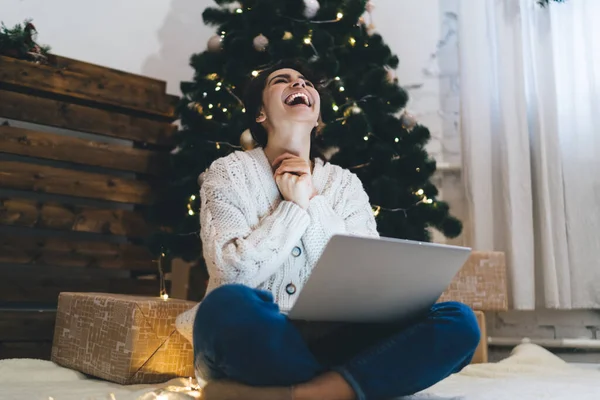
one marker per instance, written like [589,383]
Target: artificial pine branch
[19,42]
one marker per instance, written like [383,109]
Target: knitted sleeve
[350,214]
[235,251]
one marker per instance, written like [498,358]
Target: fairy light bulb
[208,116]
[255,73]
[376,211]
[307,40]
[224,109]
[210,106]
[420,192]
[193,197]
[339,16]
[352,41]
[191,212]
[217,88]
[337,78]
[204,94]
[342,88]
[239,11]
[218,146]
[165,296]
[366,138]
[396,140]
[243,110]
[335,107]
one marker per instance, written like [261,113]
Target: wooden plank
[20,249]
[20,326]
[47,290]
[52,146]
[481,353]
[51,215]
[104,88]
[37,350]
[40,178]
[43,111]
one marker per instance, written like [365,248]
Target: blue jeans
[240,335]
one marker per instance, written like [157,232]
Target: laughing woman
[266,216]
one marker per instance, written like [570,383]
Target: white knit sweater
[251,236]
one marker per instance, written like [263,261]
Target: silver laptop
[377,280]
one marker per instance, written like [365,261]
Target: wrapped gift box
[120,338]
[481,282]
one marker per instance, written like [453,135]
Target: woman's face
[289,96]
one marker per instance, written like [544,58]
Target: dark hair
[253,102]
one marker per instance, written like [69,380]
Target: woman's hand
[294,179]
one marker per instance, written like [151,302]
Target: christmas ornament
[287,35]
[260,42]
[408,121]
[195,106]
[311,7]
[247,141]
[215,43]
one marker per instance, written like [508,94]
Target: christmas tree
[366,127]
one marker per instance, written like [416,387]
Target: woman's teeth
[297,98]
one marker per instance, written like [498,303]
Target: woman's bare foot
[229,390]
[329,386]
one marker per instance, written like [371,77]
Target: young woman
[266,216]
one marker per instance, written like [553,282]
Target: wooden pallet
[83,153]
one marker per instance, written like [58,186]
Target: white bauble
[260,42]
[215,43]
[311,7]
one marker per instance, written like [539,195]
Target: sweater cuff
[291,214]
[320,210]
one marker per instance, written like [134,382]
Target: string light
[204,94]
[191,212]
[255,73]
[210,106]
[396,140]
[337,78]
[208,116]
[335,107]
[352,41]
[224,109]
[418,169]
[217,88]
[161,275]
[376,210]
[218,146]
[239,11]
[366,138]
[339,16]
[420,192]
[342,89]
[307,40]
[193,197]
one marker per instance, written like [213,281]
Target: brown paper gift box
[120,338]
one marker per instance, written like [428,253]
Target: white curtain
[530,120]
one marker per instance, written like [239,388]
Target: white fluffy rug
[529,373]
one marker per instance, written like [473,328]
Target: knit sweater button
[296,251]
[290,289]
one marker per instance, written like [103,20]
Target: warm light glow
[219,83]
[366,44]
[191,212]
[337,78]
[193,197]
[418,169]
[162,254]
[420,192]
[165,296]
[210,106]
[204,94]
[224,109]
[208,117]
[376,211]
[239,11]
[366,138]
[335,107]
[396,140]
[342,89]
[254,73]
[243,110]
[352,41]
[307,40]
[217,88]
[340,15]
[222,32]
[218,146]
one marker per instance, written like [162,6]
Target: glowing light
[204,94]
[255,73]
[193,197]
[376,211]
[420,192]
[217,88]
[337,78]
[366,138]
[208,117]
[243,110]
[418,169]
[339,15]
[222,32]
[335,107]
[396,140]
[191,212]
[219,83]
[307,40]
[342,89]
[218,146]
[224,109]
[239,11]
[366,44]
[210,106]
[352,41]
[165,297]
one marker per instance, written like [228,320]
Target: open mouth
[297,99]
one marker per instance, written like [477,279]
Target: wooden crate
[82,155]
